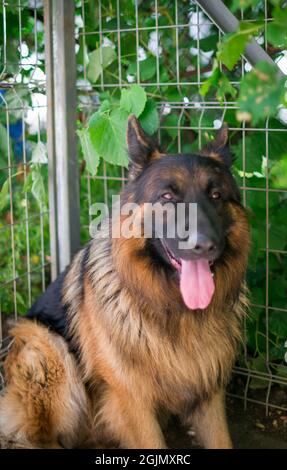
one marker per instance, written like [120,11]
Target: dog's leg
[44,404]
[131,421]
[210,424]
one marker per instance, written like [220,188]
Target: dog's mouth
[177,262]
[196,279]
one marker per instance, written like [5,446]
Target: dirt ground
[250,429]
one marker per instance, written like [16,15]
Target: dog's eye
[215,195]
[167,196]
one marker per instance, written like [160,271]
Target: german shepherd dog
[137,326]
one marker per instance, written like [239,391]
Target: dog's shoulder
[49,308]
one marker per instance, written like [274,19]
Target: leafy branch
[104,137]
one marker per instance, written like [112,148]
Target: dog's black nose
[204,246]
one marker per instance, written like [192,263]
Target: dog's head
[195,239]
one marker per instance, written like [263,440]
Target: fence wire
[168,47]
[24,245]
[166,33]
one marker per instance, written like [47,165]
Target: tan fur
[140,350]
[44,401]
[136,133]
[209,422]
[213,148]
[145,353]
[141,137]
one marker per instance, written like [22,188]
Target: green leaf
[149,118]
[233,44]
[258,364]
[277,30]
[105,106]
[243,4]
[207,44]
[148,68]
[90,154]
[4,194]
[108,136]
[278,324]
[262,91]
[277,234]
[171,120]
[278,353]
[278,173]
[281,370]
[38,186]
[220,83]
[133,100]
[132,68]
[231,48]
[276,35]
[4,145]
[255,145]
[27,188]
[100,59]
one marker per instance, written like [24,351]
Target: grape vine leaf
[107,132]
[91,156]
[100,59]
[262,91]
[133,100]
[233,44]
[149,117]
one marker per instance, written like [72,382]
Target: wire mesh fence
[24,229]
[168,47]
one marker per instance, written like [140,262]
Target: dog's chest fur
[174,360]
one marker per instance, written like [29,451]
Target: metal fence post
[61,136]
[228,23]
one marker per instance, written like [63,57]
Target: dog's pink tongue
[196,283]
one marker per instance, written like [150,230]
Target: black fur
[144,167]
[49,308]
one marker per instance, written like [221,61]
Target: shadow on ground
[250,429]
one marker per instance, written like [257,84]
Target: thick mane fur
[146,324]
[139,348]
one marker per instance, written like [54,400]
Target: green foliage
[243,4]
[3,142]
[107,131]
[133,100]
[276,30]
[149,118]
[38,188]
[91,155]
[4,193]
[105,136]
[148,68]
[100,59]
[233,44]
[220,83]
[278,173]
[261,91]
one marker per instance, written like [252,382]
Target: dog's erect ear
[218,148]
[141,147]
